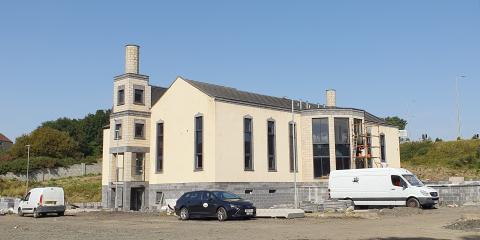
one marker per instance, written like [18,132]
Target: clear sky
[58,58]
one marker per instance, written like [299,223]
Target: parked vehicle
[381,187]
[40,201]
[220,204]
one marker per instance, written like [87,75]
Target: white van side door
[398,190]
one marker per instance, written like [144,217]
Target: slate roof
[157,93]
[230,94]
[3,138]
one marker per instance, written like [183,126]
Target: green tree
[396,121]
[46,142]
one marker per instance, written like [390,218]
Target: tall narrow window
[382,148]
[199,143]
[292,130]
[118,131]
[139,130]
[159,165]
[248,146]
[272,165]
[121,95]
[321,147]
[139,157]
[342,143]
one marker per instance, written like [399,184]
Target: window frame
[383,148]
[250,132]
[159,159]
[138,88]
[139,169]
[121,97]
[135,136]
[274,145]
[343,161]
[196,153]
[324,160]
[119,135]
[292,146]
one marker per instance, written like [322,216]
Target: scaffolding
[363,155]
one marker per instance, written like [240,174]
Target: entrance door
[136,198]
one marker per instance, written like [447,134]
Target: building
[162,142]
[5,143]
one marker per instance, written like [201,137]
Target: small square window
[139,130]
[248,191]
[118,131]
[159,197]
[272,191]
[138,98]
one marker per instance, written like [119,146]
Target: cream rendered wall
[392,146]
[106,157]
[230,144]
[177,109]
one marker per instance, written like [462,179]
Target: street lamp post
[28,165]
[294,125]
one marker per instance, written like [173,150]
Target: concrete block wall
[75,170]
[458,194]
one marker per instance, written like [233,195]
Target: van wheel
[35,214]
[184,215]
[222,214]
[20,213]
[413,203]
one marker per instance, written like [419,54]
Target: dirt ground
[389,224]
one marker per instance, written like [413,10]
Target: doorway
[136,198]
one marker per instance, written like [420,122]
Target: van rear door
[53,196]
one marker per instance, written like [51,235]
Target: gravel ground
[390,224]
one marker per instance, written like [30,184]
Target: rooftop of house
[238,96]
[3,138]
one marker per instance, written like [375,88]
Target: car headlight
[425,193]
[233,206]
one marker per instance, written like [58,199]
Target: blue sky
[58,58]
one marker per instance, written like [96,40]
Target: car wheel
[35,213]
[20,213]
[413,203]
[184,215]
[222,214]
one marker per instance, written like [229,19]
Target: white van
[40,201]
[381,186]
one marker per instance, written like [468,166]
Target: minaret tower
[129,128]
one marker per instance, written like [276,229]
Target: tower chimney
[331,98]
[132,60]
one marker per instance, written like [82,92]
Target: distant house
[5,143]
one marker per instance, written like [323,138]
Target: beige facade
[223,111]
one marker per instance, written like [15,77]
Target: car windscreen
[413,180]
[225,195]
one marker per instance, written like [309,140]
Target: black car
[220,204]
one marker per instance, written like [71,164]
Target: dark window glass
[292,146]
[198,142]
[321,147]
[139,157]
[138,96]
[382,148]
[248,147]
[272,166]
[118,131]
[398,181]
[159,147]
[139,130]
[121,97]
[342,143]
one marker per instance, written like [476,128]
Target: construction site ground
[398,223]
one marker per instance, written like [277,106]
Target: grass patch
[439,160]
[77,189]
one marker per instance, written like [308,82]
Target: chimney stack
[132,60]
[331,98]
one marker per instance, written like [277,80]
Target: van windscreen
[413,180]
